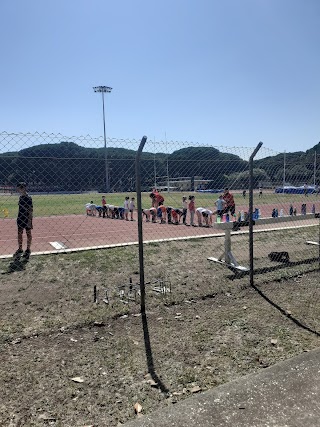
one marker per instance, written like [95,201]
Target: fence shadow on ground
[285,313]
[239,274]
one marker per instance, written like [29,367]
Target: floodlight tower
[103,90]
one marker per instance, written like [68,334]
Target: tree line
[70,167]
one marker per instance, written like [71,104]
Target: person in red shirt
[157,199]
[230,204]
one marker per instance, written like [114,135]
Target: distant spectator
[291,210]
[244,192]
[260,192]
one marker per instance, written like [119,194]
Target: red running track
[81,231]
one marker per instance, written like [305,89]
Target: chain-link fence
[196,231]
[226,282]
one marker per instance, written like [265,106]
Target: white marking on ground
[58,245]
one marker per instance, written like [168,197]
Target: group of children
[172,215]
[166,214]
[111,211]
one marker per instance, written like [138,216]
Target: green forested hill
[69,166]
[299,166]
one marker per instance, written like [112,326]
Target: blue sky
[228,73]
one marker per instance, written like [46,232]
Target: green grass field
[65,204]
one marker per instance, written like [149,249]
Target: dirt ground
[67,361]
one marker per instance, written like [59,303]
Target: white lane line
[58,245]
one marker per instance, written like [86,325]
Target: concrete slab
[284,395]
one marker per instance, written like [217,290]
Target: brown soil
[211,328]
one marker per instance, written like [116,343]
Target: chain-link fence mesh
[186,211]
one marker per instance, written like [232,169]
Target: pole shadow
[149,356]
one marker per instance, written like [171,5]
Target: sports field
[67,361]
[60,221]
[74,204]
[70,361]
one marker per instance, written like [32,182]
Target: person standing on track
[126,208]
[131,208]
[192,209]
[230,204]
[184,210]
[220,205]
[24,221]
[104,206]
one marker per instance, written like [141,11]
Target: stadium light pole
[284,171]
[314,168]
[103,90]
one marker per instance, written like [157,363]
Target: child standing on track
[192,209]
[184,210]
[24,221]
[131,208]
[126,208]
[104,206]
[220,204]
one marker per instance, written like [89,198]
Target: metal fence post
[251,210]
[140,236]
